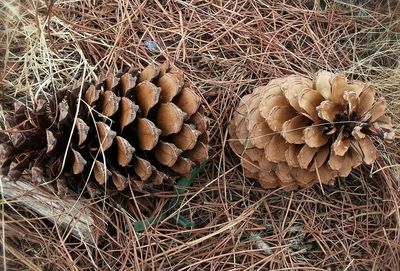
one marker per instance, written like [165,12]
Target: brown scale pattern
[138,129]
[295,132]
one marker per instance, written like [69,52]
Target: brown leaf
[106,135]
[170,118]
[128,111]
[148,134]
[110,103]
[166,153]
[170,87]
[79,162]
[188,102]
[147,95]
[125,151]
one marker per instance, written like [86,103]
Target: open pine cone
[139,128]
[295,132]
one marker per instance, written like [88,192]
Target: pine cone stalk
[295,132]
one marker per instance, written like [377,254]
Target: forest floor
[225,49]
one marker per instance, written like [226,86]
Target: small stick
[70,214]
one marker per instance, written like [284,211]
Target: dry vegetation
[225,48]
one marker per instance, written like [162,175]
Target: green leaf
[140,226]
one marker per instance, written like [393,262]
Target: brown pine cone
[139,128]
[295,132]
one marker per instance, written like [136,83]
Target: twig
[65,213]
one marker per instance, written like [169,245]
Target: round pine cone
[139,128]
[295,132]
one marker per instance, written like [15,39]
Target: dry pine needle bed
[217,217]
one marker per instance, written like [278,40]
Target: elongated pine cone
[295,132]
[139,128]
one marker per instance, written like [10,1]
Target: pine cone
[138,128]
[295,132]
